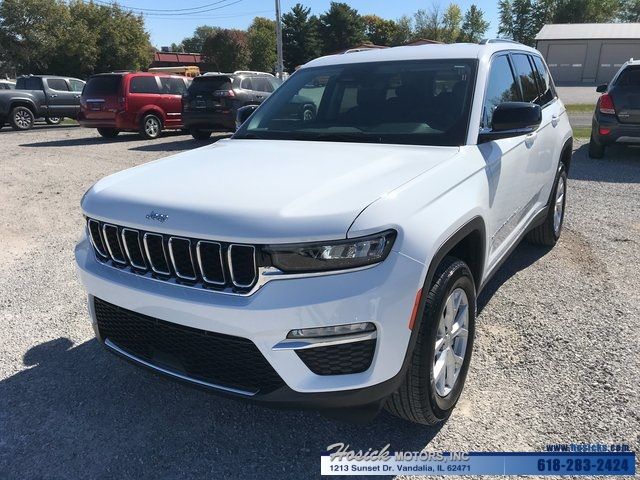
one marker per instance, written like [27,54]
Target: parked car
[335,263]
[617,115]
[212,101]
[133,102]
[7,85]
[40,96]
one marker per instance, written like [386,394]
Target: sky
[167,28]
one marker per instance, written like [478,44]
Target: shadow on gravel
[98,140]
[80,412]
[186,143]
[621,164]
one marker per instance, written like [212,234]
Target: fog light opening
[333,331]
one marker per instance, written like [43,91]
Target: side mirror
[243,114]
[512,119]
[602,88]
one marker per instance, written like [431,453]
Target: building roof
[177,58]
[420,52]
[585,31]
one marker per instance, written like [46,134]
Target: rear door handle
[554,120]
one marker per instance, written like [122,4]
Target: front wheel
[151,127]
[200,134]
[441,356]
[549,231]
[22,118]
[53,120]
[108,132]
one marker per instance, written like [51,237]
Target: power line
[167,10]
[169,13]
[217,17]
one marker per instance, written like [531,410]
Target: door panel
[62,102]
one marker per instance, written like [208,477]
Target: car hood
[259,191]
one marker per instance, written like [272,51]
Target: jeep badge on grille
[161,217]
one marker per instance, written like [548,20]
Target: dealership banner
[383,462]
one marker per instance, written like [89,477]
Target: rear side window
[630,77]
[501,87]
[172,85]
[526,76]
[209,84]
[547,93]
[103,85]
[143,85]
[29,83]
[58,84]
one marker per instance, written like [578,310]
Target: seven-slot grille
[210,264]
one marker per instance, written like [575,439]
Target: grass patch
[580,108]
[581,132]
[68,121]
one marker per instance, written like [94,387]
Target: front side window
[419,102]
[76,85]
[144,85]
[501,87]
[547,93]
[526,76]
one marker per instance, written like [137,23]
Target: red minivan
[132,102]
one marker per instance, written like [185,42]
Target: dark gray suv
[213,99]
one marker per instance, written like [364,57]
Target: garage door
[566,62]
[612,56]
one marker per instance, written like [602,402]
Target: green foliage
[300,39]
[227,50]
[451,21]
[630,11]
[261,41]
[586,11]
[474,25]
[380,31]
[73,38]
[404,31]
[194,43]
[341,27]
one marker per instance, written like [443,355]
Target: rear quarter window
[629,77]
[103,85]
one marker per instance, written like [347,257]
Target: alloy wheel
[558,209]
[152,127]
[23,119]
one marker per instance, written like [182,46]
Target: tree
[341,27]
[299,37]
[543,13]
[505,29]
[522,22]
[474,25]
[261,41]
[227,50]
[404,31]
[630,11]
[428,23]
[379,31]
[586,11]
[194,43]
[451,21]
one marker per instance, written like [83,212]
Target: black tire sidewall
[562,173]
[460,277]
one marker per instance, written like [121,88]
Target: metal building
[588,53]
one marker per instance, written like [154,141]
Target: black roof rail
[485,41]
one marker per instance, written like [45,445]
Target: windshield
[423,102]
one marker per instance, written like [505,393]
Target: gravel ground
[556,355]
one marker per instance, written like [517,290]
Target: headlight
[333,255]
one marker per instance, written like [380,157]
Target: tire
[548,232]
[53,120]
[151,127]
[21,118]
[108,132]
[596,150]
[200,134]
[421,398]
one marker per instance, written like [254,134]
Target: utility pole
[280,65]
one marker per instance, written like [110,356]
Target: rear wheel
[548,232]
[442,353]
[200,134]
[22,118]
[151,127]
[108,132]
[53,120]
[596,150]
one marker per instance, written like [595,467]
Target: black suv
[213,99]
[617,115]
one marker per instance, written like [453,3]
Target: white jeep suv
[330,254]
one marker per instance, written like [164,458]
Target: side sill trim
[170,373]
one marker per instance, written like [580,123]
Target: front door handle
[53,95]
[529,139]
[554,120]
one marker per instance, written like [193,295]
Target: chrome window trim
[164,253]
[255,266]
[306,343]
[199,258]
[171,373]
[173,261]
[104,233]
[126,248]
[100,252]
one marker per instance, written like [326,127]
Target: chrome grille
[212,265]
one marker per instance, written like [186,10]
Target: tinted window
[143,85]
[58,84]
[247,84]
[4,86]
[209,84]
[501,87]
[29,83]
[76,85]
[420,102]
[103,85]
[527,77]
[172,85]
[630,77]
[544,81]
[262,84]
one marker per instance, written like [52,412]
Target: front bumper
[383,295]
